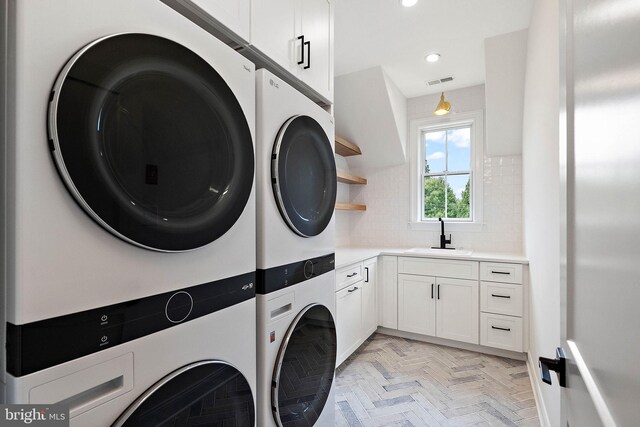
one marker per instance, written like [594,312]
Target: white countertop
[349,255]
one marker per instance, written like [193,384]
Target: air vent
[439,81]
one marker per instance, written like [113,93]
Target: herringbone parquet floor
[392,381]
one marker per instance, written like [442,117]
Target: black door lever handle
[559,365]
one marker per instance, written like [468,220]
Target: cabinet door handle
[438,291]
[500,296]
[301,38]
[308,43]
[501,329]
[367,279]
[353,290]
[432,291]
[500,272]
[352,274]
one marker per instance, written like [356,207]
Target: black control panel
[276,278]
[35,346]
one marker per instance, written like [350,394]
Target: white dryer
[129,155]
[296,192]
[128,169]
[199,372]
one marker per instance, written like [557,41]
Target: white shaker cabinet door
[417,304]
[369,312]
[233,14]
[388,293]
[458,310]
[275,28]
[348,320]
[316,20]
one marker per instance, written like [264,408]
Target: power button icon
[104,339]
[104,318]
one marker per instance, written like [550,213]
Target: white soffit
[371,33]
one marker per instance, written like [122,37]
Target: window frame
[473,119]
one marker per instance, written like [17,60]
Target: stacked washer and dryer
[296,192]
[129,217]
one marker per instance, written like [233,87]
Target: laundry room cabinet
[233,14]
[444,307]
[356,314]
[298,36]
[441,307]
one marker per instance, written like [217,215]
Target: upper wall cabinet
[233,14]
[298,36]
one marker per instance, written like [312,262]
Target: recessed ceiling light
[408,3]
[432,57]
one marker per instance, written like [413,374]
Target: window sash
[423,162]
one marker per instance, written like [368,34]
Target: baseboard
[537,393]
[454,344]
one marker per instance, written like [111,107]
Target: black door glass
[152,142]
[207,394]
[304,170]
[307,366]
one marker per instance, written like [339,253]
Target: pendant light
[443,107]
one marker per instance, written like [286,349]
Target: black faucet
[443,239]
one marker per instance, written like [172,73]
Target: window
[447,179]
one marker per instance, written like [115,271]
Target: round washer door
[207,393]
[304,368]
[303,172]
[151,142]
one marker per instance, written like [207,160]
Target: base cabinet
[441,307]
[356,306]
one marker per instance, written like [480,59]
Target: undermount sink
[440,252]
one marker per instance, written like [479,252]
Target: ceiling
[382,32]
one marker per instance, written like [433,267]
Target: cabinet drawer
[500,331]
[438,267]
[501,272]
[501,298]
[348,275]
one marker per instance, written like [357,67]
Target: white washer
[195,373]
[296,189]
[297,354]
[128,169]
[65,258]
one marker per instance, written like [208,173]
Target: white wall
[505,64]
[541,185]
[386,220]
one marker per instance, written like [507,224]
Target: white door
[233,14]
[457,308]
[417,304]
[349,320]
[601,150]
[318,50]
[369,315]
[274,31]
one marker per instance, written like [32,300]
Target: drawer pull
[352,274]
[501,329]
[500,272]
[500,296]
[353,290]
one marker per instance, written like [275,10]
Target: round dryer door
[304,368]
[208,393]
[151,142]
[304,178]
